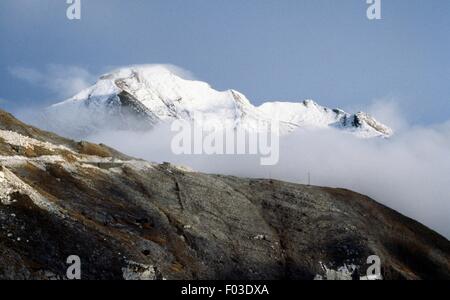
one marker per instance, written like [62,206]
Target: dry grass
[93,149]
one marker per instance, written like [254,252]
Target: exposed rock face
[130,219]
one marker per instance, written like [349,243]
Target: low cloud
[388,111]
[62,81]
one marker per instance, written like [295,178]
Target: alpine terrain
[139,97]
[131,219]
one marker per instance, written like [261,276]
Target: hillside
[132,219]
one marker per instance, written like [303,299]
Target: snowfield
[16,139]
[140,97]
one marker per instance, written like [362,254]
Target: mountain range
[128,218]
[140,97]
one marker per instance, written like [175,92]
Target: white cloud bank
[62,81]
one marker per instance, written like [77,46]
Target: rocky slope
[130,219]
[138,97]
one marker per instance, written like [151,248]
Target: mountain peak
[309,102]
[159,93]
[141,71]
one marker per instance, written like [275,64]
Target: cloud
[179,71]
[388,111]
[183,73]
[62,81]
[27,74]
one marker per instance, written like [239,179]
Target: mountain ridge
[140,97]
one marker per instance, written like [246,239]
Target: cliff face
[131,219]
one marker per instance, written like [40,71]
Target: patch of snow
[310,115]
[10,183]
[137,271]
[260,237]
[5,190]
[184,168]
[16,139]
[40,161]
[371,277]
[140,165]
[341,273]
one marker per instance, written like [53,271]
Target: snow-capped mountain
[140,97]
[309,114]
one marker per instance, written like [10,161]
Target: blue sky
[269,50]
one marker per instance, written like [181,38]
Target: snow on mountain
[140,97]
[309,114]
